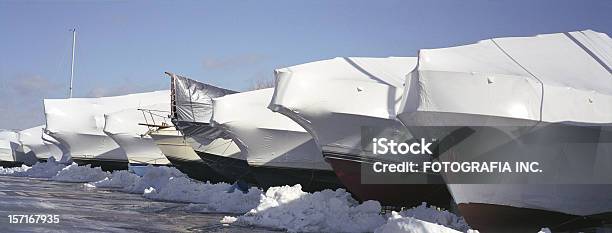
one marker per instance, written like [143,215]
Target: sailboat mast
[72,63]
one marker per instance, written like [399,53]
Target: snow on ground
[169,184]
[11,170]
[291,209]
[42,170]
[118,179]
[398,224]
[154,177]
[435,215]
[228,220]
[76,173]
[217,197]
[286,207]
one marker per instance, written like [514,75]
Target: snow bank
[437,216]
[398,224]
[154,177]
[76,173]
[221,197]
[228,220]
[42,170]
[118,179]
[11,170]
[291,209]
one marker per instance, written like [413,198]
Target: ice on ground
[76,173]
[11,170]
[42,170]
[291,209]
[435,215]
[118,179]
[400,224]
[219,197]
[155,177]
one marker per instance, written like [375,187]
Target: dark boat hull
[397,195]
[105,165]
[10,164]
[230,168]
[502,219]
[311,180]
[197,169]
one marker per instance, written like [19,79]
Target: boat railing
[155,120]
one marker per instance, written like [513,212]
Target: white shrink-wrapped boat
[179,152]
[78,124]
[191,110]
[338,101]
[278,150]
[128,128]
[544,99]
[11,150]
[33,144]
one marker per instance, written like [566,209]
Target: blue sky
[125,47]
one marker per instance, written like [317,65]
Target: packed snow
[219,197]
[287,207]
[291,209]
[398,224]
[154,177]
[437,216]
[119,179]
[228,220]
[42,170]
[76,173]
[12,170]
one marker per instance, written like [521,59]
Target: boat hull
[311,180]
[175,147]
[90,146]
[232,169]
[140,149]
[348,169]
[575,160]
[105,165]
[10,164]
[507,219]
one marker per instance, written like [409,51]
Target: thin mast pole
[72,63]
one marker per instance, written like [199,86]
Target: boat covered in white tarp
[128,128]
[78,124]
[179,152]
[11,150]
[278,150]
[344,101]
[545,99]
[191,110]
[34,145]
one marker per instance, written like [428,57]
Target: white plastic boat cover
[78,123]
[126,129]
[32,141]
[560,77]
[192,100]
[172,144]
[191,109]
[65,154]
[266,138]
[11,149]
[346,76]
[334,99]
[9,145]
